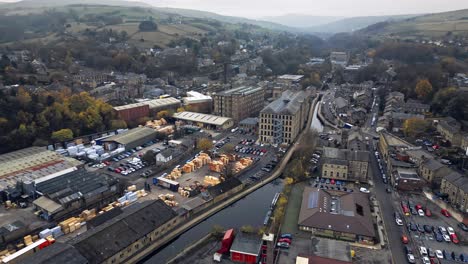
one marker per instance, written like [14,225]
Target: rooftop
[288,104]
[339,211]
[223,187]
[346,154]
[195,97]
[393,141]
[202,118]
[155,103]
[248,244]
[249,121]
[56,253]
[131,135]
[290,77]
[73,186]
[137,220]
[243,90]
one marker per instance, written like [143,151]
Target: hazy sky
[261,8]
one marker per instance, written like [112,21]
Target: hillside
[301,21]
[354,23]
[227,19]
[56,3]
[430,25]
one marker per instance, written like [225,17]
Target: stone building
[283,119]
[239,103]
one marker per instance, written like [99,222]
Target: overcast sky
[261,8]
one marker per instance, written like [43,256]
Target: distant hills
[427,25]
[55,3]
[227,19]
[430,25]
[301,21]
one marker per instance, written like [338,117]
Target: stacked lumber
[28,240]
[188,167]
[171,203]
[70,225]
[216,166]
[166,197]
[175,174]
[211,181]
[184,191]
[131,188]
[87,215]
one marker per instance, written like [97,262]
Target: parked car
[282,245]
[364,190]
[287,240]
[404,239]
[411,258]
[289,236]
[438,236]
[454,238]
[463,227]
[450,230]
[428,212]
[445,213]
[420,212]
[423,251]
[439,254]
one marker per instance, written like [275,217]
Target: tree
[414,127]
[423,89]
[228,148]
[62,135]
[204,144]
[24,98]
[148,25]
[149,157]
[117,123]
[441,98]
[247,229]
[163,114]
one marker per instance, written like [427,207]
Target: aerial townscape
[154,132]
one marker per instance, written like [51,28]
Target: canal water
[251,210]
[316,124]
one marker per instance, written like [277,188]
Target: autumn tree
[423,89]
[414,127]
[62,135]
[163,114]
[23,97]
[180,109]
[204,144]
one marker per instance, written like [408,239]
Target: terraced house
[456,186]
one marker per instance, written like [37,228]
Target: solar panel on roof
[313,200]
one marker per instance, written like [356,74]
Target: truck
[166,183]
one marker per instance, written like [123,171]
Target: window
[331,173]
[337,174]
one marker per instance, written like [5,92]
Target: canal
[316,124]
[251,210]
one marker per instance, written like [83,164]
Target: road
[385,199]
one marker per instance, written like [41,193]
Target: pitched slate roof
[56,253]
[223,187]
[340,211]
[288,104]
[132,135]
[106,240]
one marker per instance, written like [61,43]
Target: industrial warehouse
[204,120]
[129,139]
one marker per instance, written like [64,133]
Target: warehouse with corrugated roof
[30,164]
[204,120]
[130,139]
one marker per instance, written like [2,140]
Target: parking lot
[421,236]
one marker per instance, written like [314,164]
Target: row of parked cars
[284,241]
[430,256]
[270,166]
[440,233]
[250,150]
[128,167]
[126,154]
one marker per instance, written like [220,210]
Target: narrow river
[251,210]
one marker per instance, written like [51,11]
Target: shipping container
[169,184]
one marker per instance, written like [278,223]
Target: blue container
[155,181]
